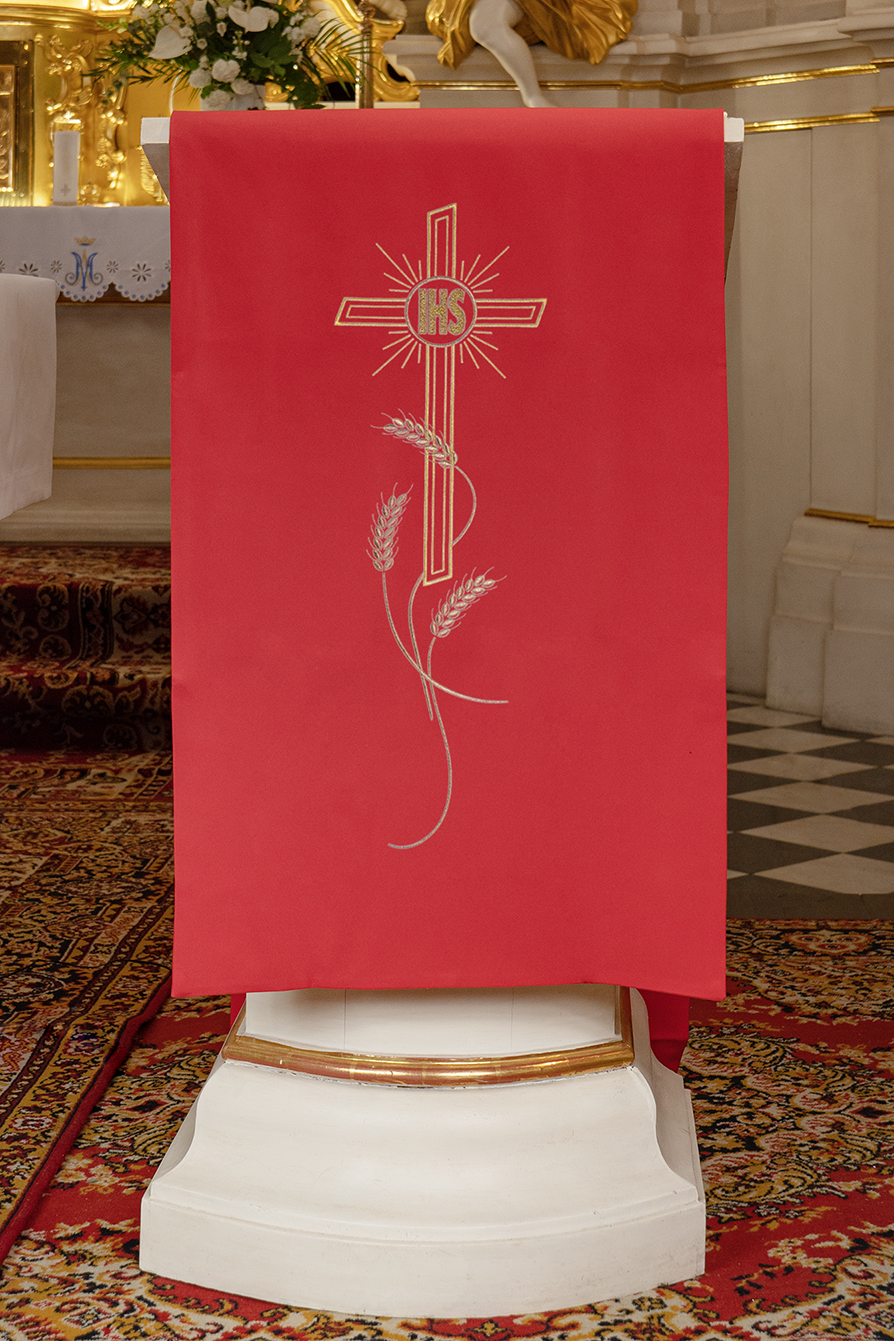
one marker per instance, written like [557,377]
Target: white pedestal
[434,1194]
[832,633]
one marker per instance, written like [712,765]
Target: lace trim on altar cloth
[88,249]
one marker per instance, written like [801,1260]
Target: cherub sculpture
[581,30]
[577,29]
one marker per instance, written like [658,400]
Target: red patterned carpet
[85,928]
[791,1078]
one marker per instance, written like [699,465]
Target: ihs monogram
[436,313]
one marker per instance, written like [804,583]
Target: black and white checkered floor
[811,817]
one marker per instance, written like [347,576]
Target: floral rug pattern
[791,1082]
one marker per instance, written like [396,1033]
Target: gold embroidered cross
[436,314]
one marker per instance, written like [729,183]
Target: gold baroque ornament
[580,30]
[423,1072]
[16,117]
[7,126]
[111,116]
[70,63]
[89,105]
[385,88]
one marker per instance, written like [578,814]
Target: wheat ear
[383,534]
[462,598]
[426,439]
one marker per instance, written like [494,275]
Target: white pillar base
[832,634]
[421,1200]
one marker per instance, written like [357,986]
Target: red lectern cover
[449,542]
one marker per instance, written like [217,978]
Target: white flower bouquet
[229,51]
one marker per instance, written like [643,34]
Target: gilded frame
[16,121]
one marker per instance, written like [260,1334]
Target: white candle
[66,161]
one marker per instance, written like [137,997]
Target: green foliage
[224,50]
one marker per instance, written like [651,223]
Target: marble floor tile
[756,896]
[820,798]
[760,716]
[790,741]
[748,814]
[744,852]
[842,873]
[736,754]
[810,817]
[835,832]
[743,815]
[880,813]
[798,767]
[869,779]
[748,782]
[871,752]
[883,853]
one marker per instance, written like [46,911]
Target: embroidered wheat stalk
[426,439]
[462,598]
[383,534]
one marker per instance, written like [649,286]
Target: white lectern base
[432,1198]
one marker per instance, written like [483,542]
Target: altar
[110,268]
[90,251]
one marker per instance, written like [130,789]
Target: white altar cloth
[88,248]
[27,390]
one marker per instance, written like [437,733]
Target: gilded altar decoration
[580,30]
[230,51]
[385,26]
[439,313]
[47,53]
[7,126]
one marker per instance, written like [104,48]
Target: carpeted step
[85,638]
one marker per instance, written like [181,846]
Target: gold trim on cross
[438,313]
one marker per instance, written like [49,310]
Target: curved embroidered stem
[468,698]
[474,504]
[391,622]
[403,847]
[418,584]
[412,628]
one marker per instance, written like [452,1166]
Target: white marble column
[831,648]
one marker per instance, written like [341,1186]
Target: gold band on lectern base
[370,1069]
